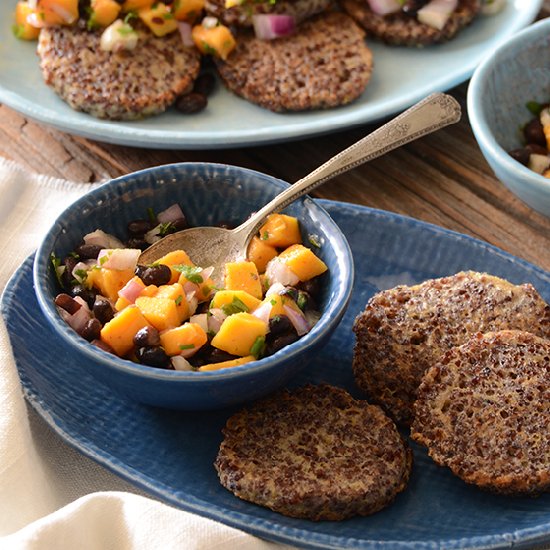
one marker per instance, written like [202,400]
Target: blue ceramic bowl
[518,71]
[207,193]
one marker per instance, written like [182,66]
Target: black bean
[154,275]
[278,325]
[312,287]
[204,84]
[154,356]
[535,149]
[534,133]
[64,301]
[280,342]
[180,224]
[88,251]
[147,336]
[139,227]
[91,330]
[103,309]
[209,354]
[191,103]
[136,242]
[87,294]
[521,155]
[411,7]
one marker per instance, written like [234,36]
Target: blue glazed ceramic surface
[517,72]
[170,454]
[208,194]
[401,77]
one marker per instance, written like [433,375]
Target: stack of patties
[293,55]
[466,360]
[412,22]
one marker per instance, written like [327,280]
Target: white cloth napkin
[50,495]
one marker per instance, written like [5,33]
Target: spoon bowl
[214,246]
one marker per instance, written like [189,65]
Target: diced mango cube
[189,336]
[21,28]
[239,333]
[217,41]
[162,313]
[243,276]
[260,253]
[159,19]
[176,257]
[135,5]
[234,301]
[103,13]
[175,292]
[228,364]
[303,262]
[187,10]
[109,281]
[280,231]
[119,332]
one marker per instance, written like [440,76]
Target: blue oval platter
[170,454]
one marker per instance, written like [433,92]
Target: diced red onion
[83,304]
[131,290]
[298,320]
[383,7]
[119,258]
[268,26]
[185,33]
[190,288]
[200,319]
[180,363]
[172,213]
[77,321]
[278,272]
[192,302]
[215,319]
[82,266]
[67,16]
[35,20]
[102,239]
[275,288]
[185,353]
[263,311]
[436,13]
[206,273]
[153,235]
[312,317]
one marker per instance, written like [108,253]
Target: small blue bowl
[518,71]
[207,194]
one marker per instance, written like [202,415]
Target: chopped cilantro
[165,228]
[208,49]
[18,30]
[125,30]
[190,272]
[273,302]
[301,300]
[57,268]
[265,236]
[187,346]
[314,240]
[258,347]
[178,300]
[168,16]
[534,107]
[151,215]
[130,15]
[236,306]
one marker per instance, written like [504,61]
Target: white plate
[401,77]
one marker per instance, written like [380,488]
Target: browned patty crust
[484,411]
[314,453]
[119,86]
[241,15]
[401,29]
[326,63]
[404,331]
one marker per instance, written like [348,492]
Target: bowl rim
[329,319]
[478,120]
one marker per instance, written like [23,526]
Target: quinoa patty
[118,86]
[405,330]
[484,412]
[401,29]
[314,453]
[326,63]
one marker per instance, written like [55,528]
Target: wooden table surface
[441,178]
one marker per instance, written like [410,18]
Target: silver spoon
[215,246]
